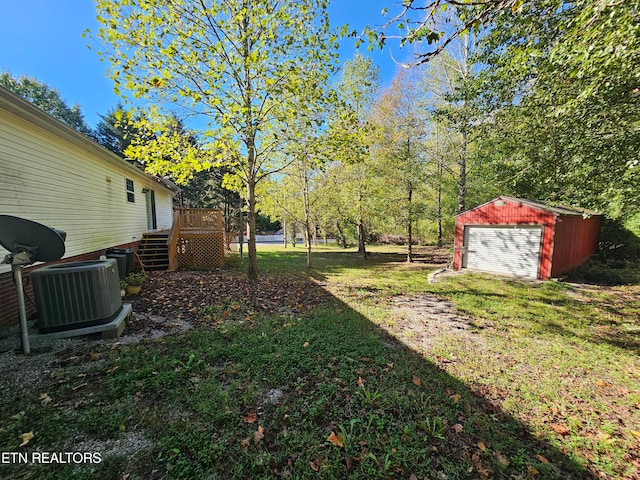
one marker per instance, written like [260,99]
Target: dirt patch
[419,320]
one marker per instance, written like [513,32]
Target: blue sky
[43,39]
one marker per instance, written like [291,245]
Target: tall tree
[401,121]
[239,63]
[560,93]
[357,89]
[306,151]
[116,130]
[47,99]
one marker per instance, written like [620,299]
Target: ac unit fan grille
[76,295]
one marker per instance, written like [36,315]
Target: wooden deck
[197,239]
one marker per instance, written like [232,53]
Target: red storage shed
[524,238]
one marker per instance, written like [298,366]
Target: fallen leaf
[26,437]
[258,435]
[416,381]
[315,464]
[458,428]
[413,477]
[45,398]
[637,434]
[482,446]
[542,459]
[533,470]
[335,440]
[250,417]
[244,444]
[501,458]
[305,344]
[455,397]
[560,429]
[360,382]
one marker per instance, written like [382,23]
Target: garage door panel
[508,250]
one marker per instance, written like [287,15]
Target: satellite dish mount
[28,242]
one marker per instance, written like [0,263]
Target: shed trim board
[509,249]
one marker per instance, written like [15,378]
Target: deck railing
[172,242]
[200,220]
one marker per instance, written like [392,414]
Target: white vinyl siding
[53,181]
[512,250]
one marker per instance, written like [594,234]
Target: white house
[53,175]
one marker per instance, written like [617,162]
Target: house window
[130,195]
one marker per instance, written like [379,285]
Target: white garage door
[509,250]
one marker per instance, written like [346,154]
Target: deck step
[153,251]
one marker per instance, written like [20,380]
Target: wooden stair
[153,251]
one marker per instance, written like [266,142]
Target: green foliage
[560,95]
[348,190]
[166,148]
[242,66]
[116,130]
[47,99]
[399,149]
[136,278]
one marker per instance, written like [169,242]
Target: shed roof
[555,210]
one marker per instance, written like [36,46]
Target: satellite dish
[28,242]
[43,244]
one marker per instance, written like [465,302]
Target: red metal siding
[576,239]
[567,239]
[506,212]
[9,311]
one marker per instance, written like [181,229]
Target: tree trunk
[307,215]
[362,248]
[409,223]
[462,182]
[307,240]
[439,206]
[250,142]
[284,233]
[252,267]
[343,239]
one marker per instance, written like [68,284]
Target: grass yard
[358,370]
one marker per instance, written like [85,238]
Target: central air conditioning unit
[76,294]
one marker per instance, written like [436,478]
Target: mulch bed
[208,298]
